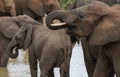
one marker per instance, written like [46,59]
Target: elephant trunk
[22,39]
[60,15]
[10,48]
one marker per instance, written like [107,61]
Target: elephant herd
[95,23]
[33,8]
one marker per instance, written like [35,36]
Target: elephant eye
[81,16]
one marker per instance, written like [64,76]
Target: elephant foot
[3,62]
[64,73]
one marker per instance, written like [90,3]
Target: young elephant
[51,48]
[100,24]
[33,8]
[8,27]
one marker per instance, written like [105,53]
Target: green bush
[65,3]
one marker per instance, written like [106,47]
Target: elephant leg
[90,61]
[116,61]
[46,69]
[104,66]
[64,71]
[44,73]
[33,64]
[4,59]
[47,62]
[90,64]
[51,73]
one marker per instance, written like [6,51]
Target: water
[19,67]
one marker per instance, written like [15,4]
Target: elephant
[91,53]
[8,31]
[33,8]
[51,48]
[78,3]
[99,24]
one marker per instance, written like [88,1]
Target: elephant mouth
[69,27]
[62,23]
[19,46]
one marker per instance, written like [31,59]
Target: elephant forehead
[96,7]
[84,9]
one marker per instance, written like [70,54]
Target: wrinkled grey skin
[99,23]
[33,8]
[78,3]
[110,2]
[91,52]
[51,48]
[8,27]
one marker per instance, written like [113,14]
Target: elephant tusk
[59,24]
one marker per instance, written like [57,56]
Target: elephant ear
[107,30]
[36,6]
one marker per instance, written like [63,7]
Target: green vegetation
[65,3]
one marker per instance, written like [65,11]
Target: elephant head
[43,6]
[97,21]
[21,39]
